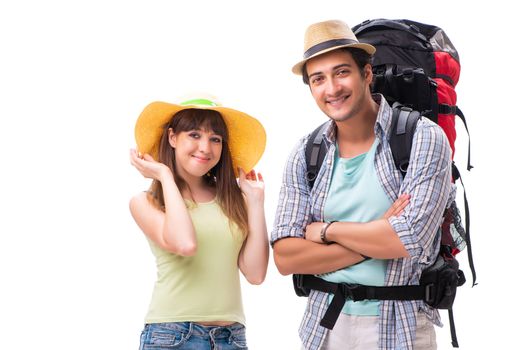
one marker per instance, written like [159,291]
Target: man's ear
[368,73]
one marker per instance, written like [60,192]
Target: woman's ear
[172,138]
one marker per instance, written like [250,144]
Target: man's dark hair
[360,56]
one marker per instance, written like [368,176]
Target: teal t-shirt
[355,195]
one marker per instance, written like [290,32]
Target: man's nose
[333,86]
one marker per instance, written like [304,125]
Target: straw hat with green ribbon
[247,137]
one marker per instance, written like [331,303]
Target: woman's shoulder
[140,200]
[140,196]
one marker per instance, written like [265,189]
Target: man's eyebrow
[334,68]
[342,65]
[313,74]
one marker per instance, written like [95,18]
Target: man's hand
[313,231]
[397,207]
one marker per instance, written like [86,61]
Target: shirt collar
[383,116]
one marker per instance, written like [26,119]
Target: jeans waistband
[202,330]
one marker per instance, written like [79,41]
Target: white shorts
[361,333]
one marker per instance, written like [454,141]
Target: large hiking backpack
[416,65]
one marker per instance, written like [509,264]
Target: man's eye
[316,80]
[343,72]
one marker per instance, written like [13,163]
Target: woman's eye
[194,135]
[216,140]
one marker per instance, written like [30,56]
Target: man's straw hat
[327,36]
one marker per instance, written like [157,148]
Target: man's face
[336,84]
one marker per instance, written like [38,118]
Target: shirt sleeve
[294,208]
[428,181]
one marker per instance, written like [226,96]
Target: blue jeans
[189,335]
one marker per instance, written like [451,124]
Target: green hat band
[199,101]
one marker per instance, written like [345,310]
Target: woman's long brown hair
[228,194]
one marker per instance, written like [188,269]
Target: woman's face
[196,151]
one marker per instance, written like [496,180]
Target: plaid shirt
[428,181]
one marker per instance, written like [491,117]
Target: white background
[76,272]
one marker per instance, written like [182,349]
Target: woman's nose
[204,145]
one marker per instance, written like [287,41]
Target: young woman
[202,225]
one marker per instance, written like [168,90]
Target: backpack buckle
[347,290]
[311,176]
[352,291]
[429,296]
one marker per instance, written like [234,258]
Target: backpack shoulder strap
[404,122]
[316,149]
[403,125]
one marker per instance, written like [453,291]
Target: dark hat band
[326,45]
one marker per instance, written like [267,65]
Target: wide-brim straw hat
[247,137]
[327,36]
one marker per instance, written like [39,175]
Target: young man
[338,230]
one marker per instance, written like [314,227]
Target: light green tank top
[203,287]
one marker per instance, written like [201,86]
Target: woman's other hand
[148,167]
[251,184]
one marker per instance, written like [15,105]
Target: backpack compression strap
[456,176]
[447,109]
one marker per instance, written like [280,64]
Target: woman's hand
[254,255]
[148,167]
[397,207]
[252,185]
